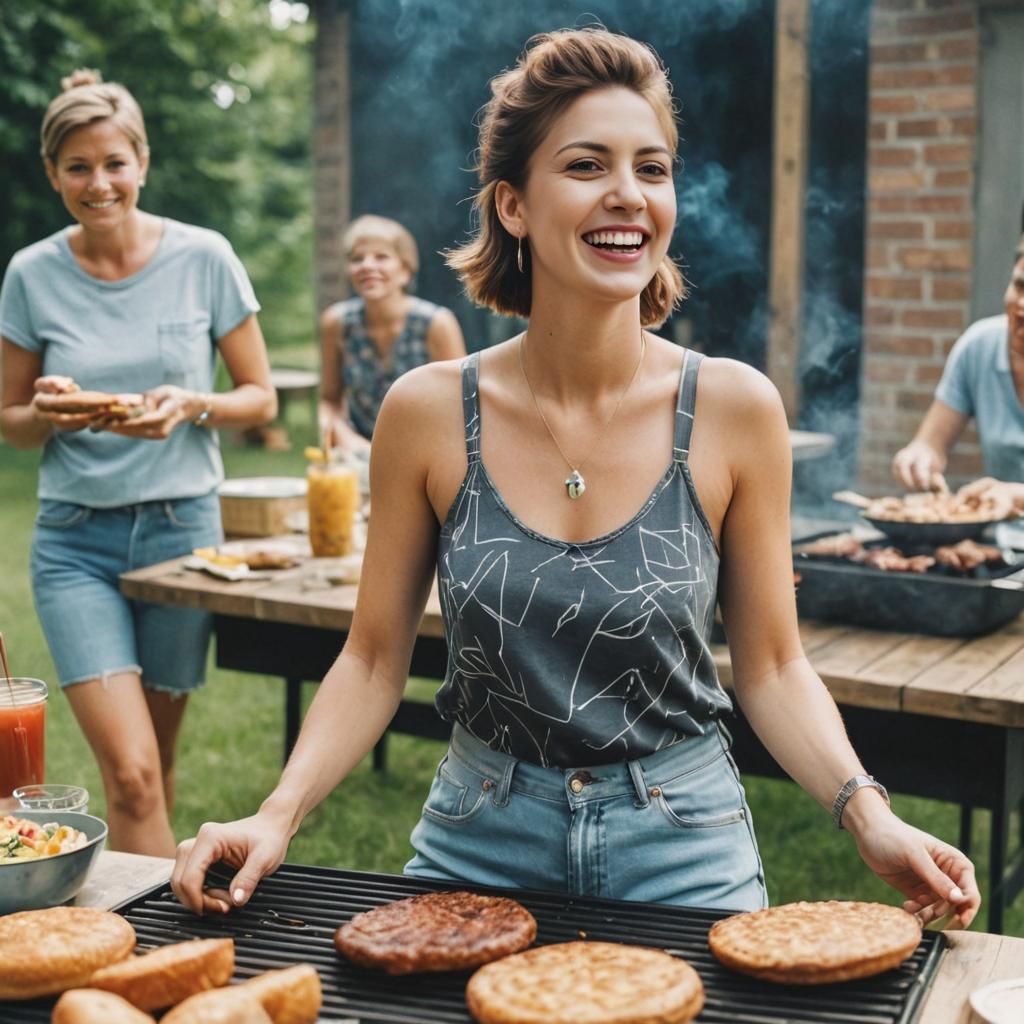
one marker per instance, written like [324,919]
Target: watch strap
[851,787]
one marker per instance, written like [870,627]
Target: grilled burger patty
[438,931]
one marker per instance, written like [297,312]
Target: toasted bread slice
[169,974]
[90,1005]
[231,1005]
[291,995]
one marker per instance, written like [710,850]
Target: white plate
[263,487]
[1001,1002]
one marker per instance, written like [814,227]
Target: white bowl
[50,881]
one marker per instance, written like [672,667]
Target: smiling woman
[587,754]
[135,307]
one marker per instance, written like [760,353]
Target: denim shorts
[670,828]
[92,629]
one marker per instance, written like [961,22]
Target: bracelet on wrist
[203,419]
[851,787]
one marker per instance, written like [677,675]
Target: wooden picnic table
[936,717]
[972,959]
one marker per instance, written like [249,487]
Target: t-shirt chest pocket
[185,352]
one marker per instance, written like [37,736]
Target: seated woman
[368,342]
[983,378]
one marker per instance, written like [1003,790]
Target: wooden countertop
[973,959]
[980,679]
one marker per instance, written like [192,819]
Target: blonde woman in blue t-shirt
[124,301]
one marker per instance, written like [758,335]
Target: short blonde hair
[382,229]
[85,99]
[555,69]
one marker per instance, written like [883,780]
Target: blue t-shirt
[158,326]
[977,382]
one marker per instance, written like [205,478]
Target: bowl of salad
[46,856]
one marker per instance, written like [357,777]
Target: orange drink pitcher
[22,733]
[333,498]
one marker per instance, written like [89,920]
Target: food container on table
[1000,1002]
[333,500]
[22,733]
[50,881]
[258,506]
[52,797]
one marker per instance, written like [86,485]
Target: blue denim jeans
[91,628]
[670,828]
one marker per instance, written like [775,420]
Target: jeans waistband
[594,782]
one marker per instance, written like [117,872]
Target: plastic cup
[332,497]
[52,797]
[22,733]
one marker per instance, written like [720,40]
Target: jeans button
[576,785]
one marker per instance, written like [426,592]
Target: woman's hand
[936,878]
[1002,498]
[919,467]
[55,384]
[166,407]
[256,846]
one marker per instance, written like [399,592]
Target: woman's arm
[21,423]
[361,691]
[782,696]
[920,465]
[444,337]
[335,429]
[251,402]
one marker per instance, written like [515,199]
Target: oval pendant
[575,485]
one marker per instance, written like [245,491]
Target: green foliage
[241,166]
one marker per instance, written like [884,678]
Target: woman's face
[1013,302]
[375,270]
[98,175]
[599,205]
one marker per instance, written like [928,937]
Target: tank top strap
[471,405]
[685,405]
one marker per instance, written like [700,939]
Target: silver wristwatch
[851,787]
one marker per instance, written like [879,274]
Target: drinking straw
[20,732]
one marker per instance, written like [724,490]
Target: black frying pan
[928,534]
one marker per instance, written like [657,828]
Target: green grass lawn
[230,752]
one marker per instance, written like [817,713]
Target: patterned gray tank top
[367,379]
[572,654]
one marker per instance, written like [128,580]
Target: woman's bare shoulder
[728,385]
[425,398]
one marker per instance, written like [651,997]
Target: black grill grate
[293,916]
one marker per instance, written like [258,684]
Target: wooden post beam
[789,174]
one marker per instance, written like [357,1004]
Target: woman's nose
[626,193]
[97,181]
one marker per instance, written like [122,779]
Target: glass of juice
[332,497]
[22,733]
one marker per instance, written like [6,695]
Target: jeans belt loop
[637,775]
[501,794]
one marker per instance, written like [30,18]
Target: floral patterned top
[366,377]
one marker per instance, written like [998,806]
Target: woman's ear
[51,173]
[508,203]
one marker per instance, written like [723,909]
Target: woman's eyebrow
[600,147]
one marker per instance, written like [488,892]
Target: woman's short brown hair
[555,69]
[86,98]
[382,229]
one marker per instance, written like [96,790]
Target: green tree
[225,86]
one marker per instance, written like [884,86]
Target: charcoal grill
[293,915]
[939,602]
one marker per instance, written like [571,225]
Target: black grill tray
[293,915]
[940,602]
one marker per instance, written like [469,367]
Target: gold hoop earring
[519,255]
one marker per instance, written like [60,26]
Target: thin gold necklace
[575,485]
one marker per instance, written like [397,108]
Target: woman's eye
[585,166]
[654,170]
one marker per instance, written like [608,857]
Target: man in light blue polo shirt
[984,379]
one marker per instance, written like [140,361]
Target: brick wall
[331,149]
[922,125]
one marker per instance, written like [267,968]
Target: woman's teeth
[100,205]
[620,241]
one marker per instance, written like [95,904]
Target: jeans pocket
[190,513]
[185,351]
[61,515]
[708,797]
[453,797]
